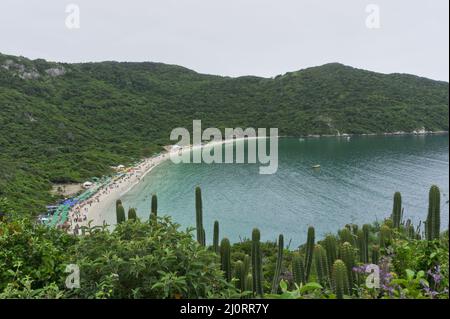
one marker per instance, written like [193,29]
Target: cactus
[276,276]
[249,283]
[366,232]
[309,252]
[347,255]
[247,264]
[199,216]
[345,235]
[321,261]
[330,244]
[375,254]
[241,276]
[216,237]
[154,207]
[225,258]
[354,229]
[298,269]
[132,214]
[340,279]
[120,213]
[118,202]
[433,224]
[257,263]
[397,210]
[385,235]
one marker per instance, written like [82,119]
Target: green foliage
[143,260]
[345,235]
[276,276]
[433,223]
[309,252]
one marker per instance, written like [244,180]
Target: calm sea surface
[355,184]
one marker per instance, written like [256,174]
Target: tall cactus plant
[321,262]
[397,210]
[120,213]
[375,254]
[330,244]
[216,237]
[347,255]
[225,258]
[298,269]
[433,224]
[277,274]
[241,276]
[346,235]
[132,215]
[154,207]
[310,241]
[257,263]
[340,279]
[385,235]
[366,232]
[199,216]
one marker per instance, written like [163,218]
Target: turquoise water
[355,184]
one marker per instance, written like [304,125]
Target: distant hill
[65,122]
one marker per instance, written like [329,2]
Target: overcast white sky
[235,37]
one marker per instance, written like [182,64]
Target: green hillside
[66,122]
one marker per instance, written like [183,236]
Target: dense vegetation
[154,259]
[67,122]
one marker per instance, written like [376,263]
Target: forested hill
[66,122]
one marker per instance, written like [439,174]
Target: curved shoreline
[93,211]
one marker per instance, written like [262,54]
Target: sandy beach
[95,209]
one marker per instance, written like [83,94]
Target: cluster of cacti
[243,278]
[310,241]
[346,235]
[154,207]
[276,276]
[321,262]
[433,223]
[347,255]
[132,215]
[397,210]
[385,235]
[298,269]
[120,212]
[375,254]
[330,244]
[216,237]
[199,217]
[340,281]
[257,275]
[363,243]
[225,258]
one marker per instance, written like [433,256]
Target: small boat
[316,166]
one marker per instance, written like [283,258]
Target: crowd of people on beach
[81,213]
